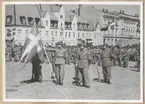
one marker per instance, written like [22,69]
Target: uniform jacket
[106,57]
[83,59]
[61,55]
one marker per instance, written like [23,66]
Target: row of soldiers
[13,53]
[82,56]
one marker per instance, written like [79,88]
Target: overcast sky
[129,9]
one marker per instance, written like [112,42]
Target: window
[74,25]
[30,21]
[78,35]
[23,20]
[9,19]
[69,34]
[61,16]
[65,34]
[26,31]
[82,34]
[46,32]
[37,20]
[46,23]
[61,33]
[19,32]
[56,33]
[74,34]
[52,33]
[90,35]
[108,40]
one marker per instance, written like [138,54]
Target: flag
[32,45]
[104,28]
[111,26]
[10,33]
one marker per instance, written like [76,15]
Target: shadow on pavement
[11,90]
[99,80]
[27,81]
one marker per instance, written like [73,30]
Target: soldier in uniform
[106,57]
[61,55]
[37,61]
[77,72]
[125,57]
[83,63]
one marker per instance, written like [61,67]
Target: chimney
[79,10]
[40,7]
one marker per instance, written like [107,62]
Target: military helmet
[59,43]
[105,44]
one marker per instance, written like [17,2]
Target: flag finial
[34,29]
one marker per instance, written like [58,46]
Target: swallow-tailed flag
[32,45]
[109,27]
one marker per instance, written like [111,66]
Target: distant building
[124,30]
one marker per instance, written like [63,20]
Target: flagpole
[49,64]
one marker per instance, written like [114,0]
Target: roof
[81,20]
[69,16]
[44,8]
[55,8]
[91,14]
[22,10]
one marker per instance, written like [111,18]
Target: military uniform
[83,66]
[125,58]
[106,57]
[37,61]
[8,54]
[61,55]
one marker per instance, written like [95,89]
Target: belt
[59,57]
[105,57]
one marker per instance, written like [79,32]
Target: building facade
[56,24]
[124,31]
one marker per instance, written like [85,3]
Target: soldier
[77,72]
[115,52]
[37,61]
[138,58]
[8,54]
[16,53]
[61,55]
[83,65]
[106,57]
[125,57]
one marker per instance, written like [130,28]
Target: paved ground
[125,85]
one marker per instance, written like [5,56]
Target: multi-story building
[56,24]
[125,29]
[20,19]
[69,26]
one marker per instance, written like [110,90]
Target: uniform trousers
[84,76]
[106,72]
[59,72]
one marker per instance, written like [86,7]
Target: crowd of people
[82,56]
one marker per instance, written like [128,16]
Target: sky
[128,9]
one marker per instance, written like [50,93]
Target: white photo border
[73,100]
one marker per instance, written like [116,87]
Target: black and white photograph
[73,51]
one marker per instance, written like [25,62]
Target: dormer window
[37,20]
[9,19]
[22,20]
[30,21]
[61,16]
